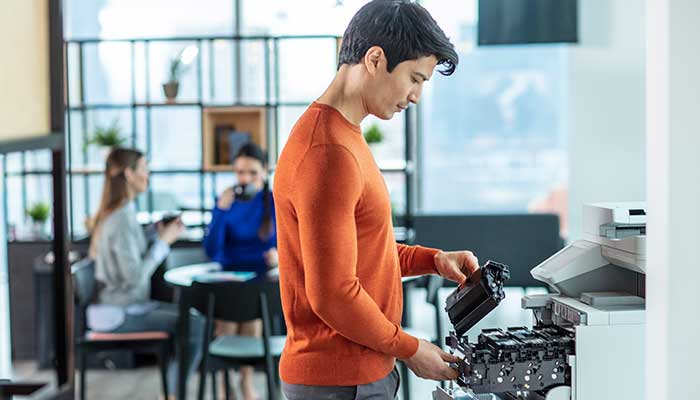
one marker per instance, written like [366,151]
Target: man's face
[389,93]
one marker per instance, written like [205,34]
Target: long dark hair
[252,150]
[403,29]
[115,191]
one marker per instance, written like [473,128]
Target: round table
[209,271]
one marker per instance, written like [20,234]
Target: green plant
[39,212]
[373,134]
[180,63]
[107,136]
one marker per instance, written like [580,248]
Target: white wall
[673,262]
[5,351]
[606,125]
[24,70]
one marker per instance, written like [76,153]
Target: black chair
[240,302]
[86,342]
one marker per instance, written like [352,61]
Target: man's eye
[414,80]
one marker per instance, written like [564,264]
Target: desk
[181,278]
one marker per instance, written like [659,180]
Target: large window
[120,83]
[492,134]
[491,137]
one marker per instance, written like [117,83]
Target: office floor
[144,383]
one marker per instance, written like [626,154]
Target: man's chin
[387,116]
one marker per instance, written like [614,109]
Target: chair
[155,342]
[240,302]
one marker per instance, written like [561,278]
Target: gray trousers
[383,389]
[164,318]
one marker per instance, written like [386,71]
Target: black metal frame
[54,141]
[272,104]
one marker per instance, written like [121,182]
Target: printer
[587,338]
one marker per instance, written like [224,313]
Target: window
[493,134]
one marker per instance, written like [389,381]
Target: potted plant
[178,65]
[107,137]
[39,213]
[373,134]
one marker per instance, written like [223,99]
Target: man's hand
[456,266]
[430,362]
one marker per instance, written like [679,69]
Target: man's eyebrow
[425,78]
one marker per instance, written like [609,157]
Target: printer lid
[610,257]
[585,266]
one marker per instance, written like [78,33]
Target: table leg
[183,333]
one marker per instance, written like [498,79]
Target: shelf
[96,40]
[394,165]
[86,171]
[221,124]
[118,106]
[219,168]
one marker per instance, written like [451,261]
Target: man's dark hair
[404,30]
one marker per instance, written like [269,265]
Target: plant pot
[170,89]
[37,230]
[104,153]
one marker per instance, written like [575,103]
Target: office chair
[241,302]
[86,342]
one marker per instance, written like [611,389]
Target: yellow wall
[24,69]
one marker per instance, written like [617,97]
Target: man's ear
[374,59]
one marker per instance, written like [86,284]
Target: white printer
[587,340]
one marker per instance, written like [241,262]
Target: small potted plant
[178,65]
[107,137]
[39,213]
[373,134]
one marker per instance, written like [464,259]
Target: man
[340,267]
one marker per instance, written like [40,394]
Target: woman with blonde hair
[125,259]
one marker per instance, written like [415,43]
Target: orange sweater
[340,266]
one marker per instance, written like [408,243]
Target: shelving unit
[243,119]
[260,117]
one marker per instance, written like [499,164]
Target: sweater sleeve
[215,238]
[330,186]
[136,268]
[416,260]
